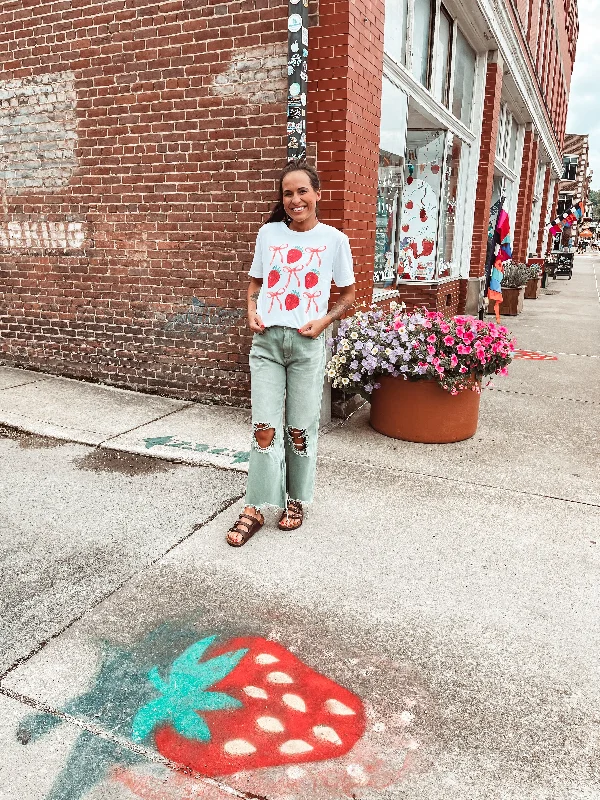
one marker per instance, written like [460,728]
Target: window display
[448,206]
[420,204]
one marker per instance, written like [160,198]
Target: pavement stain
[129,464]
[29,441]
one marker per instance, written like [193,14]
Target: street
[450,592]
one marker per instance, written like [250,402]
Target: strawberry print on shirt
[297,269]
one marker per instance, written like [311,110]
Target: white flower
[354,335]
[345,381]
[374,350]
[388,351]
[343,359]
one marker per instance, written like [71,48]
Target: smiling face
[300,200]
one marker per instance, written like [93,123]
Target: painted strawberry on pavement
[292,301]
[249,704]
[273,277]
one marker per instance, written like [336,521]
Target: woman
[295,259]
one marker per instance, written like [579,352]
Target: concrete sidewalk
[452,588]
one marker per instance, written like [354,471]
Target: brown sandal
[294,514]
[246,529]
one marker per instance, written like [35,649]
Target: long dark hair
[279,213]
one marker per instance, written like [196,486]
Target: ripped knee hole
[264,435]
[297,437]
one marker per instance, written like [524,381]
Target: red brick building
[140,143]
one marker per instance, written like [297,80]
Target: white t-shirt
[297,268]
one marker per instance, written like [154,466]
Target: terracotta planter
[421,411]
[532,288]
[512,302]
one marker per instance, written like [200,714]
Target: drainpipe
[297,78]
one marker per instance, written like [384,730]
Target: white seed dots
[335,707]
[294,701]
[239,747]
[357,773]
[326,734]
[266,658]
[279,677]
[270,724]
[295,747]
[295,773]
[254,691]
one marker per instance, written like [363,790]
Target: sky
[584,101]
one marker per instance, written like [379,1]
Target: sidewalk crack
[198,526]
[143,424]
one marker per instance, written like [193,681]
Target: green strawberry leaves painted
[185,693]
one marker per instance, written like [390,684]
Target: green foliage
[516,274]
[595,202]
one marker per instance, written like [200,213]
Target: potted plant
[516,275]
[421,372]
[532,287]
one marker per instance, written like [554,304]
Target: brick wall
[485,177]
[526,189]
[444,297]
[344,109]
[142,143]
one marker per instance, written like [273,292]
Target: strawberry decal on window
[292,301]
[311,278]
[273,277]
[250,704]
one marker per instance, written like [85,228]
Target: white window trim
[403,79]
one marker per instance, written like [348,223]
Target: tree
[594,198]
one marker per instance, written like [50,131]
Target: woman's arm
[255,323]
[344,303]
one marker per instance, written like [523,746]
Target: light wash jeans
[287,374]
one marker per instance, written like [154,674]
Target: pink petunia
[504,371]
[444,327]
[448,340]
[463,369]
[463,350]
[430,349]
[468,337]
[453,360]
[432,338]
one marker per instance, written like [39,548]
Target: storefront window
[443,58]
[513,145]
[446,266]
[394,36]
[464,79]
[422,20]
[394,107]
[420,205]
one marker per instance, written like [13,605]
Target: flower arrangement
[421,344]
[535,272]
[516,274]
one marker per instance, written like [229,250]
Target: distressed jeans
[287,374]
